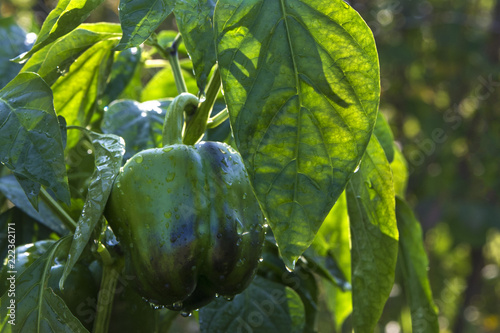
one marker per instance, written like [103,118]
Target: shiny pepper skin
[189,224]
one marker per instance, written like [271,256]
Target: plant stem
[110,274]
[173,125]
[218,119]
[197,124]
[172,56]
[58,210]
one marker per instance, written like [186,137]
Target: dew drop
[186,314]
[167,149]
[229,298]
[170,176]
[139,159]
[177,305]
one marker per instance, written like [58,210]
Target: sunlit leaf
[162,85]
[399,172]
[333,237]
[301,81]
[374,235]
[76,92]
[194,19]
[64,18]
[140,18]
[384,135]
[54,60]
[414,264]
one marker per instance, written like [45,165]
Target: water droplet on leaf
[177,305]
[186,314]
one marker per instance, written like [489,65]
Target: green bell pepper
[189,223]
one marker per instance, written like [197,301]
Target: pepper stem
[173,58]
[110,274]
[171,54]
[173,127]
[218,119]
[197,124]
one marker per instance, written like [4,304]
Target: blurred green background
[440,74]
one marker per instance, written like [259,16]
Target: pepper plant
[250,163]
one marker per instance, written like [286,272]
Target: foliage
[293,86]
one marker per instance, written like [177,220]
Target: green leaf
[76,93]
[38,308]
[122,72]
[384,135]
[399,172]
[413,262]
[334,238]
[108,153]
[162,85]
[65,17]
[140,18]
[194,19]
[139,124]
[303,282]
[301,81]
[29,128]
[14,42]
[374,236]
[54,60]
[265,306]
[301,279]
[10,187]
